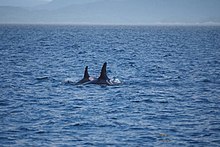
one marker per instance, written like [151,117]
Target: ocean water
[169,96]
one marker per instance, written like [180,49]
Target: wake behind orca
[102,80]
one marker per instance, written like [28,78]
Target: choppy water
[170,95]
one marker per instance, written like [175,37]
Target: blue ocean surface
[169,96]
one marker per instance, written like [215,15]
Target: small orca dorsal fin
[86,74]
[103,74]
[85,78]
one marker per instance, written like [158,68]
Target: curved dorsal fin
[103,74]
[85,78]
[86,74]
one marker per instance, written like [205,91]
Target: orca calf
[102,80]
[86,78]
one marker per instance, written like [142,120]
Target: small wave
[115,81]
[69,81]
[145,101]
[4,102]
[148,101]
[42,78]
[206,81]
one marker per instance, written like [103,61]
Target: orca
[86,78]
[103,78]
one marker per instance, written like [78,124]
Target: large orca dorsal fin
[103,74]
[86,73]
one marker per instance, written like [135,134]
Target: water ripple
[169,94]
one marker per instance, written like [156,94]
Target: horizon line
[115,24]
